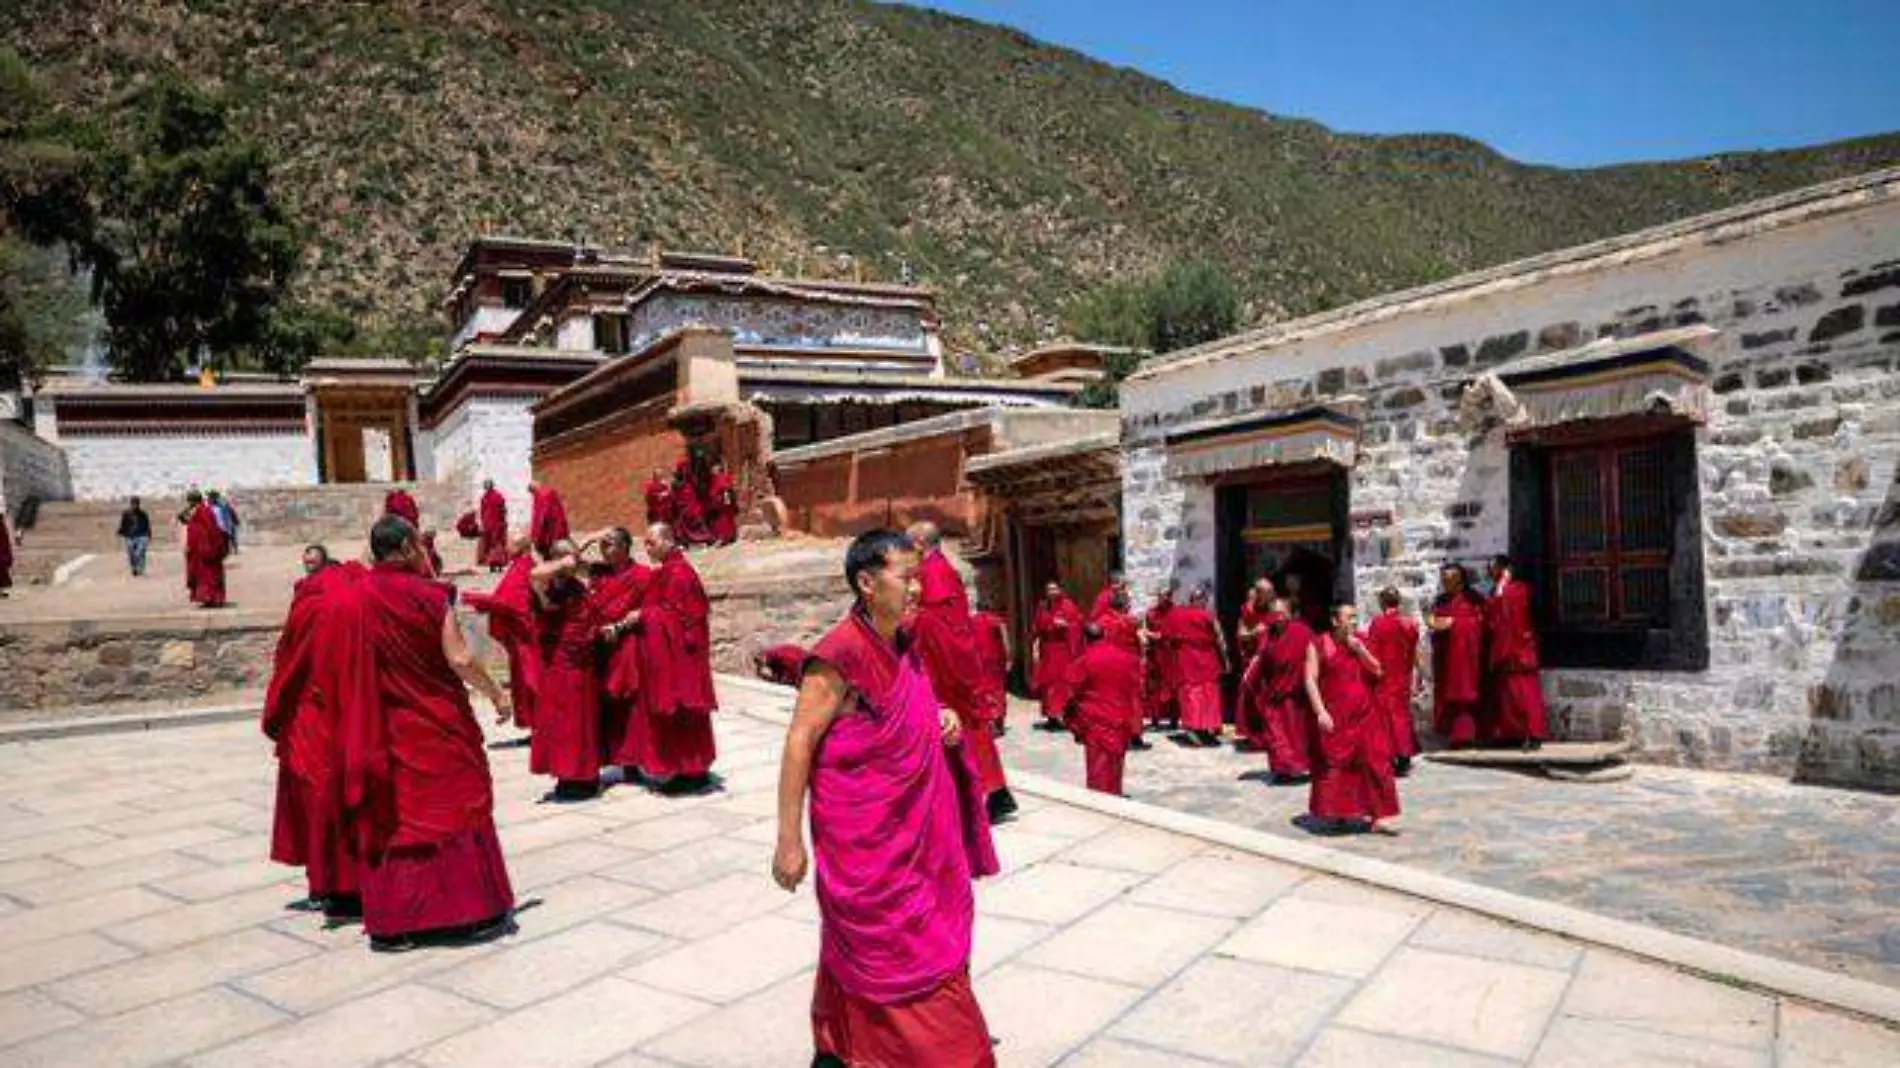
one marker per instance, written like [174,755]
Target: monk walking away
[1057,633]
[898,831]
[206,547]
[1515,714]
[1104,693]
[1393,639]
[300,718]
[417,795]
[491,551]
[1353,786]
[547,519]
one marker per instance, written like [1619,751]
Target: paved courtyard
[140,925]
[1802,873]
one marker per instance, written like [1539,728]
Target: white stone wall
[756,320]
[1798,461]
[488,438]
[490,319]
[111,468]
[576,334]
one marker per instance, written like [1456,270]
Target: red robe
[6,555]
[547,523]
[566,741]
[1121,629]
[510,612]
[300,717]
[1515,711]
[992,648]
[1352,763]
[722,509]
[492,550]
[206,546]
[946,642]
[689,514]
[1104,604]
[1393,641]
[416,789]
[783,664]
[1250,721]
[659,501]
[1057,632]
[671,733]
[1458,668]
[1162,676]
[398,502]
[1104,688]
[1279,672]
[1196,638]
[616,594]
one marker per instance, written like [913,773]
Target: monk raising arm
[473,675]
[1373,667]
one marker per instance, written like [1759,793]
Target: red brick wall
[599,471]
[847,493]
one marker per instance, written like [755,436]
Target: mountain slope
[1011,175]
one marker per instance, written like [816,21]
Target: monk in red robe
[399,502]
[783,664]
[619,589]
[1162,669]
[417,795]
[1457,625]
[491,551]
[1116,584]
[1393,640]
[659,500]
[689,509]
[206,546]
[1515,714]
[899,832]
[511,623]
[722,505]
[1353,786]
[1279,677]
[946,640]
[1104,713]
[547,518]
[566,741]
[1200,656]
[1250,722]
[300,715]
[992,651]
[670,740]
[1056,635]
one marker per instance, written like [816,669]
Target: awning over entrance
[1065,482]
[1649,374]
[1328,432]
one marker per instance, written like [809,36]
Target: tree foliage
[1186,305]
[43,210]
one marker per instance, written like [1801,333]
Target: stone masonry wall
[30,467]
[52,666]
[1797,465]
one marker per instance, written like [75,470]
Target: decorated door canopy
[1327,432]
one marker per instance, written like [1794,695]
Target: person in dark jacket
[135,530]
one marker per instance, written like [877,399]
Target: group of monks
[487,525]
[207,545]
[609,660]
[701,510]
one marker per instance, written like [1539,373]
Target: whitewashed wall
[487,438]
[110,468]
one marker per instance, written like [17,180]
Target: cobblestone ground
[141,925]
[1807,874]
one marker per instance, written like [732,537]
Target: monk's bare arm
[470,670]
[1373,667]
[1312,688]
[820,697]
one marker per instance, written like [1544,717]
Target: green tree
[1188,304]
[43,212]
[191,255]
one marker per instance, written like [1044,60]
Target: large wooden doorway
[1293,527]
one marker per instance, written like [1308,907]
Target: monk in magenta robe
[1457,625]
[1057,642]
[722,505]
[1200,657]
[547,519]
[511,624]
[300,715]
[566,743]
[417,795]
[619,589]
[658,496]
[1162,674]
[947,644]
[491,551]
[399,502]
[1104,713]
[1393,640]
[899,832]
[1250,722]
[206,546]
[782,664]
[1515,714]
[670,739]
[1279,676]
[1353,784]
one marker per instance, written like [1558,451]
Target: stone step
[1552,754]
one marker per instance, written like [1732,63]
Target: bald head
[924,535]
[660,541]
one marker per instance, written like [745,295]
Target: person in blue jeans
[135,529]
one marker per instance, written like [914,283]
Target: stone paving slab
[652,937]
[1800,873]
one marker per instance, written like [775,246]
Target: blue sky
[1545,81]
